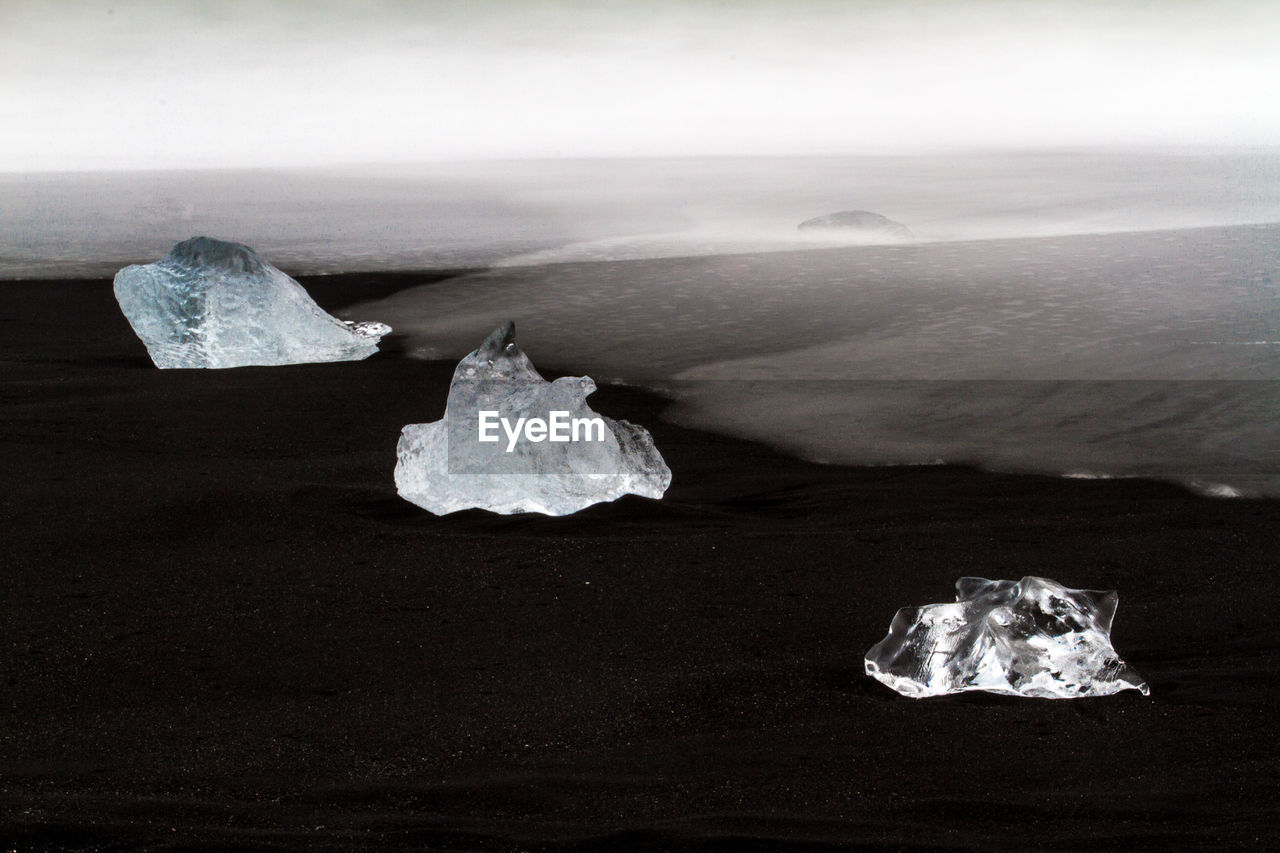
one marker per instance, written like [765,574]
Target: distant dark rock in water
[858,223]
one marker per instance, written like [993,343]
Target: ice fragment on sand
[443,467]
[210,303]
[1032,637]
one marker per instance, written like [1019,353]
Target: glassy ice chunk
[519,466]
[1032,637]
[210,303]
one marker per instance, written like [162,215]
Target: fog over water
[1093,189]
[1096,313]
[547,211]
[1089,325]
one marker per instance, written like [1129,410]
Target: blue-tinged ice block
[209,303]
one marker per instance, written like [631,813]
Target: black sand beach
[224,630]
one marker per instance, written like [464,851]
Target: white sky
[92,85]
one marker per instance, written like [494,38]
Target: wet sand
[224,630]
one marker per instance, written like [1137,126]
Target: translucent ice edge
[1030,638]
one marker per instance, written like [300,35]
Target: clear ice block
[1032,637]
[443,467]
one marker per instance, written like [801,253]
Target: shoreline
[802,246]
[336,292]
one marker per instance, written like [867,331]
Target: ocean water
[460,215]
[1084,313]
[1137,354]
